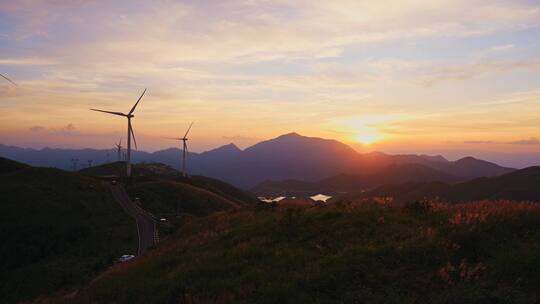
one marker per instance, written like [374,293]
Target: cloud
[37,129]
[239,138]
[479,142]
[26,61]
[255,64]
[67,129]
[530,141]
[429,73]
[502,48]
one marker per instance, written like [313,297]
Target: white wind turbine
[130,133]
[119,149]
[9,80]
[184,149]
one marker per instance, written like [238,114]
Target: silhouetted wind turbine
[184,149]
[11,81]
[119,149]
[74,161]
[130,133]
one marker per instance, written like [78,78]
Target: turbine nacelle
[184,148]
[130,133]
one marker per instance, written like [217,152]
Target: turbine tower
[130,133]
[184,149]
[119,149]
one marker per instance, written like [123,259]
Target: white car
[126,257]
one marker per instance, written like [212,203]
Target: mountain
[224,152]
[337,254]
[470,167]
[58,229]
[344,183]
[520,185]
[289,156]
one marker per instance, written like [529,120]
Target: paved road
[146,225]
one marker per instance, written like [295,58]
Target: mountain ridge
[289,156]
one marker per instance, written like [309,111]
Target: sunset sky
[395,76]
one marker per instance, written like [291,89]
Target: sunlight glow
[367,136]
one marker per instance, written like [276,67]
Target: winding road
[146,224]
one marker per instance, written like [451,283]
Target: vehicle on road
[126,257]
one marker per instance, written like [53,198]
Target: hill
[518,185]
[58,230]
[289,156]
[161,190]
[139,170]
[342,254]
[341,184]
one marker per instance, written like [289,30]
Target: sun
[367,137]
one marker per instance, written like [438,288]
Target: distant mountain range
[520,185]
[290,156]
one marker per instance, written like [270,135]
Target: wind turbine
[11,81]
[130,133]
[119,149]
[185,149]
[74,161]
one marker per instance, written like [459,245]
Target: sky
[415,76]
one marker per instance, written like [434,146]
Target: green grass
[58,230]
[487,252]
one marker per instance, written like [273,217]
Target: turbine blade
[120,142]
[133,136]
[11,81]
[110,112]
[188,129]
[135,105]
[173,138]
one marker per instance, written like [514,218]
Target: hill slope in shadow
[58,229]
[518,185]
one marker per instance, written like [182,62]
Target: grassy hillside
[480,252]
[164,192]
[170,197]
[58,229]
[521,185]
[222,188]
[195,196]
